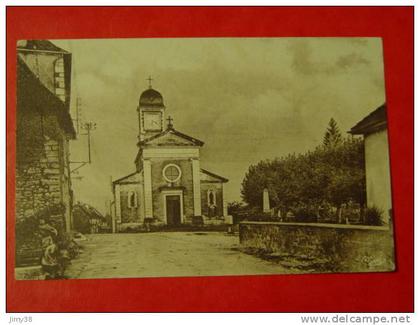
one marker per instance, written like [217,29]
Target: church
[168,186]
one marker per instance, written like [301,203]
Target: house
[168,185]
[88,220]
[377,166]
[44,129]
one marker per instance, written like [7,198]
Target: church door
[173,210]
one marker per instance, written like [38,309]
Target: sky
[248,99]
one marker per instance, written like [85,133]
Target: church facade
[168,185]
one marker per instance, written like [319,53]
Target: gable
[209,177]
[171,137]
[133,178]
[45,102]
[375,121]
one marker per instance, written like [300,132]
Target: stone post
[266,201]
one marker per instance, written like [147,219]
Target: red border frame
[380,292]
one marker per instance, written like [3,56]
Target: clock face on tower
[152,121]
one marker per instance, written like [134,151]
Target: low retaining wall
[29,273]
[321,247]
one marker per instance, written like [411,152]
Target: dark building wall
[159,184]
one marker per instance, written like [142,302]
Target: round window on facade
[172,173]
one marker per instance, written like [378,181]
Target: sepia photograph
[179,157]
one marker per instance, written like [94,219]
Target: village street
[166,254]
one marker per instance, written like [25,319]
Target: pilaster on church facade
[172,187]
[148,200]
[196,186]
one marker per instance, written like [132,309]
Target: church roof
[130,178]
[224,180]
[171,130]
[374,122]
[151,98]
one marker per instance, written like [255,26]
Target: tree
[332,136]
[332,173]
[234,208]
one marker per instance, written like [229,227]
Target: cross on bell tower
[150,81]
[170,124]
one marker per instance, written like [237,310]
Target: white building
[378,178]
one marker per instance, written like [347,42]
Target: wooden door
[173,210]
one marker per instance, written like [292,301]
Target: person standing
[49,260]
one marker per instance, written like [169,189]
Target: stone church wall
[159,183]
[217,187]
[131,214]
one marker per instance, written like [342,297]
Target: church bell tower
[151,113]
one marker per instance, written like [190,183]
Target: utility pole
[78,118]
[112,211]
[78,108]
[89,126]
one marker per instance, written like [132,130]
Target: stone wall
[41,165]
[29,273]
[321,247]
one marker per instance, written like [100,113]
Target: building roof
[88,211]
[151,98]
[374,122]
[171,130]
[39,45]
[224,180]
[33,95]
[127,178]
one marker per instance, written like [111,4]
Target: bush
[27,229]
[305,214]
[242,212]
[255,214]
[373,216]
[262,217]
